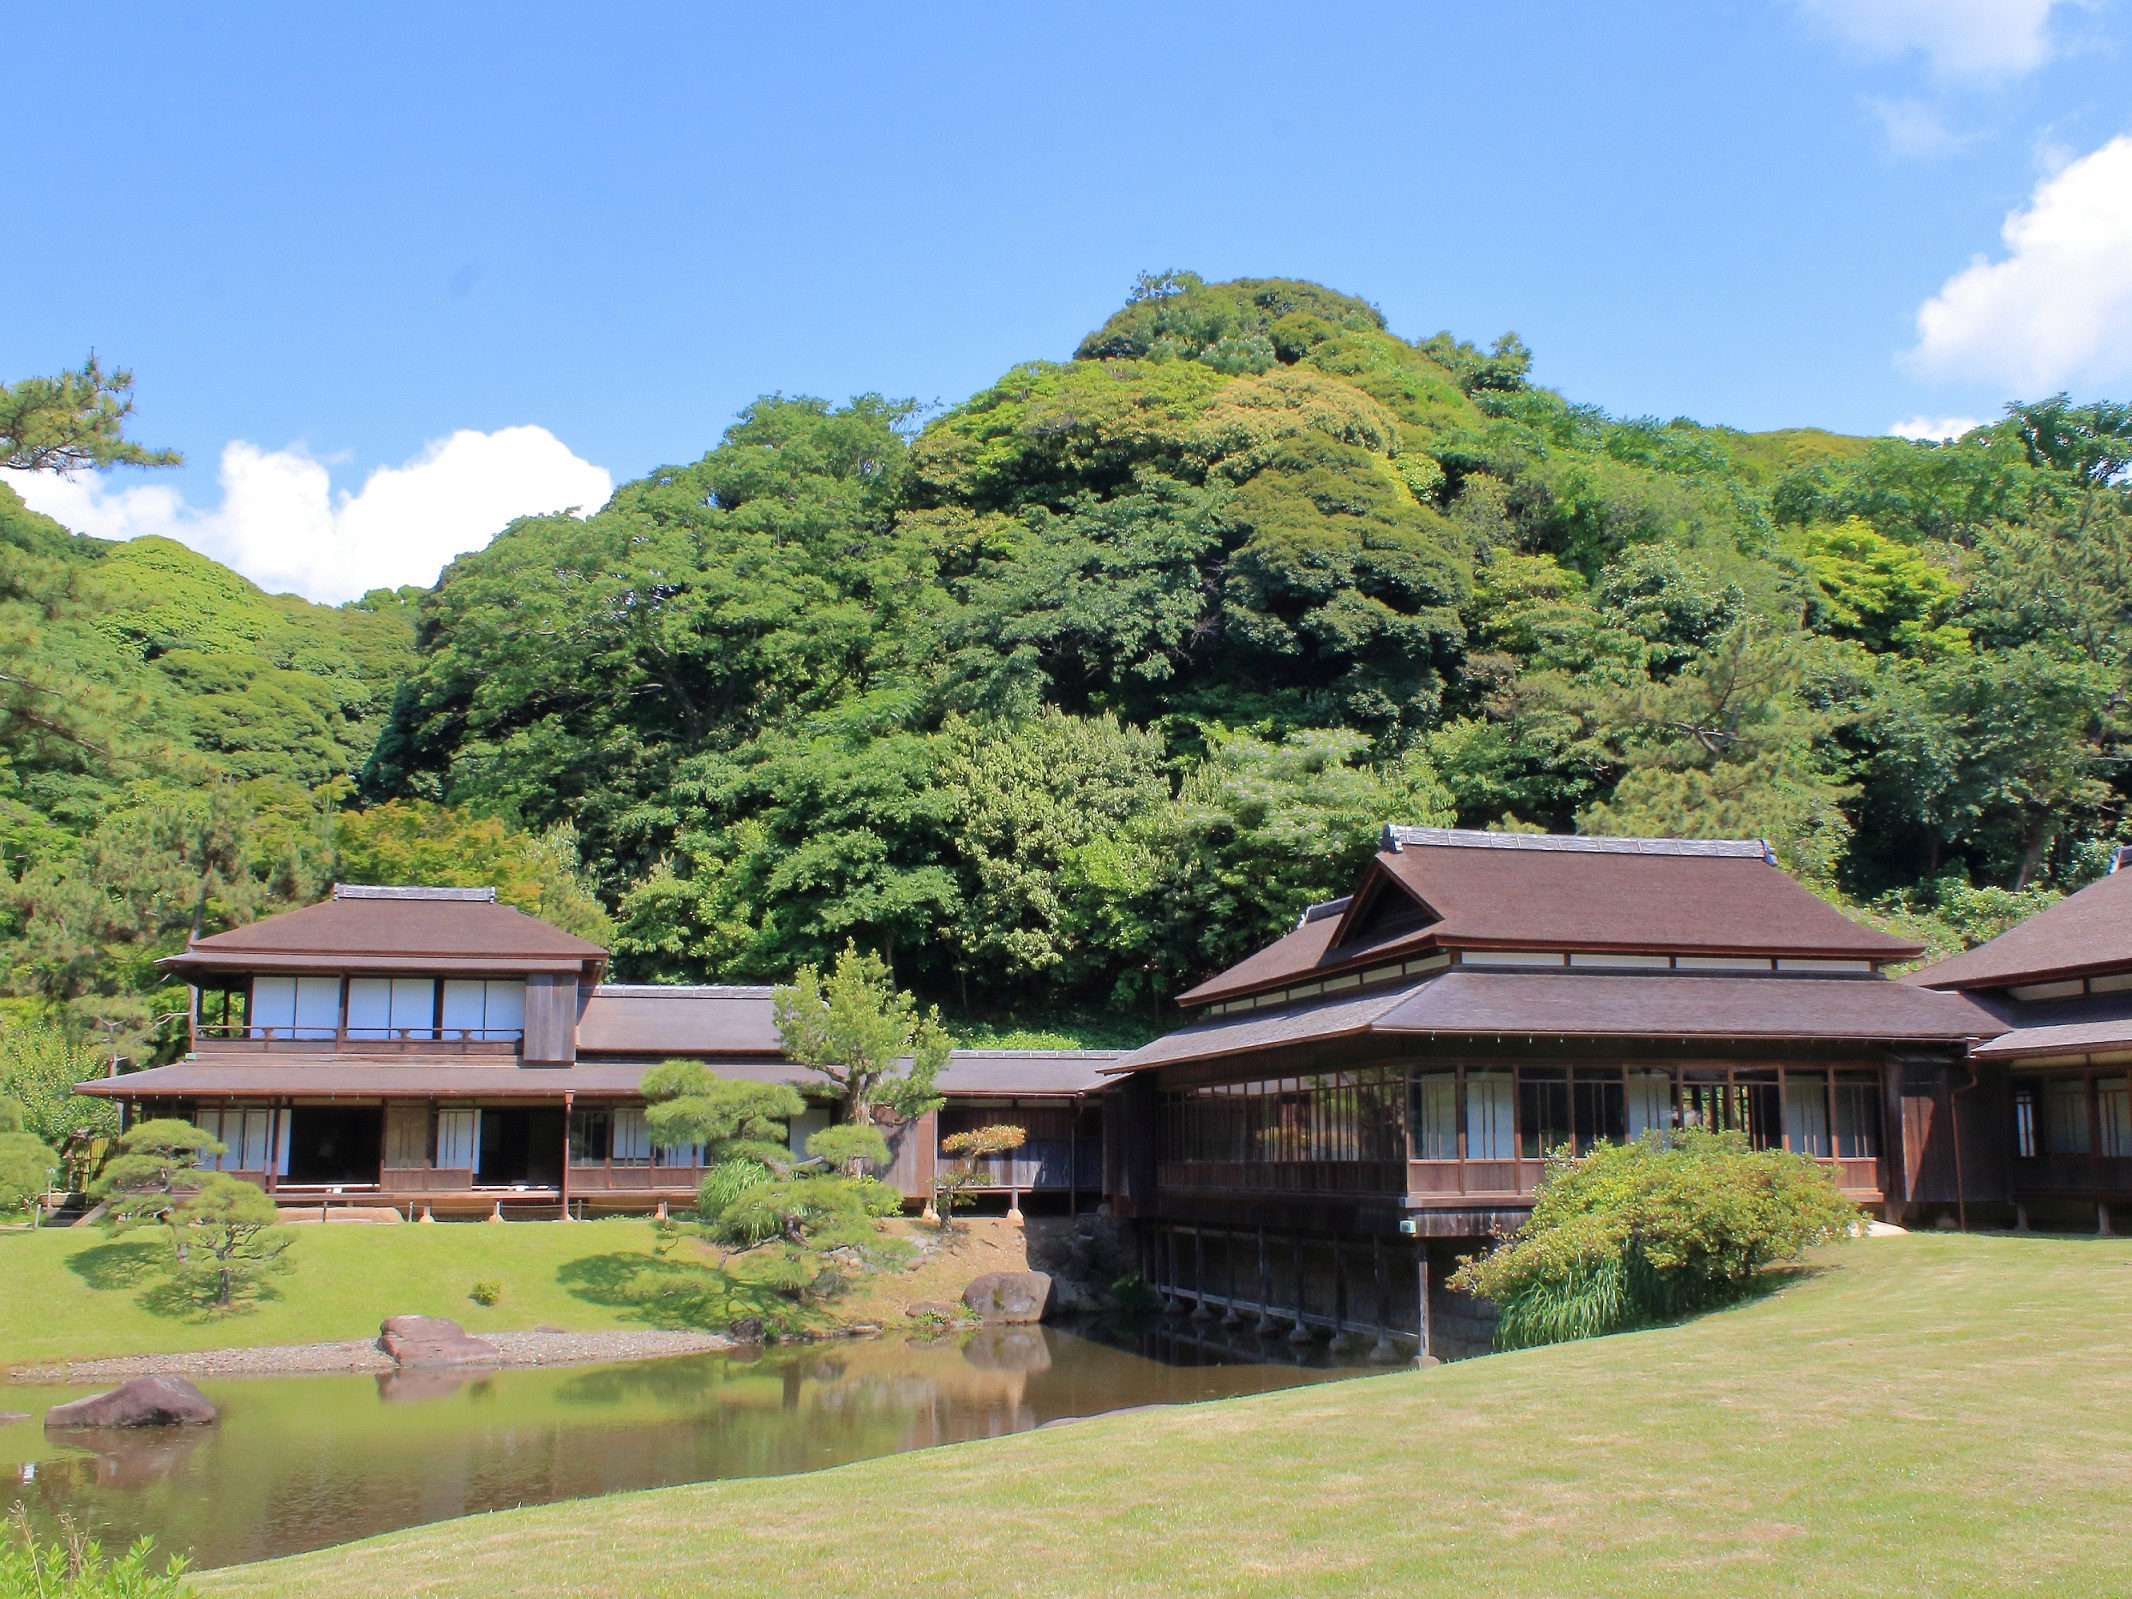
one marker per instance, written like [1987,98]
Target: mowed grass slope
[1922,1415]
[77,1293]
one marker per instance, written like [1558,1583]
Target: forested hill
[1072,693]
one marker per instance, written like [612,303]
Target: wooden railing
[237,1039]
[604,1179]
[1286,1176]
[1496,1179]
[1040,1164]
[2073,1174]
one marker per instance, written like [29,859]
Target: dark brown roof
[1547,892]
[2106,1035]
[969,1073]
[625,1019]
[1568,1004]
[981,1073]
[338,1077]
[2090,932]
[364,929]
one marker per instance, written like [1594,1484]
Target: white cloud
[1916,130]
[1934,427]
[282,526]
[1978,40]
[2057,310]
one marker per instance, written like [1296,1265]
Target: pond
[302,1462]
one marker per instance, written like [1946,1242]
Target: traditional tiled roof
[379,929]
[2089,933]
[1568,1004]
[1513,891]
[647,1019]
[980,1073]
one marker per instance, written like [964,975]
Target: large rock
[143,1402]
[1009,1296]
[434,1341]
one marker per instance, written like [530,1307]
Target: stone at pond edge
[143,1402]
[747,1330]
[1010,1296]
[8,1416]
[433,1341]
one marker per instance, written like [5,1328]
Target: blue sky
[335,241]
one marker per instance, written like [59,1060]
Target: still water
[301,1462]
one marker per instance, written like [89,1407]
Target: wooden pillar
[1231,1317]
[1267,1321]
[1073,1157]
[1171,1304]
[1339,1337]
[1200,1312]
[1300,1333]
[563,1183]
[1427,1356]
[1382,1350]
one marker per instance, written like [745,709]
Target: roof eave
[400,961]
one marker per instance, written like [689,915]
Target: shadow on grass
[143,1267]
[674,1295]
[112,1267]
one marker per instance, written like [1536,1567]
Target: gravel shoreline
[516,1349]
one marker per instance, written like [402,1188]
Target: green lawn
[77,1293]
[1923,1415]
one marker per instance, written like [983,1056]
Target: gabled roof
[369,929]
[1511,891]
[2090,932]
[655,1019]
[1658,1006]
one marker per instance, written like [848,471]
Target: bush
[1635,1234]
[26,1165]
[76,1566]
[486,1292]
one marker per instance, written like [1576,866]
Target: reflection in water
[301,1462]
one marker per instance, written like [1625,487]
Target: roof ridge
[685,990]
[1038,1054]
[486,896]
[1396,837]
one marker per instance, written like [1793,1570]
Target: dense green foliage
[1077,691]
[875,1050]
[226,1235]
[1635,1234]
[28,1166]
[173,744]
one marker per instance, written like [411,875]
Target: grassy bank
[1922,1415]
[76,1293]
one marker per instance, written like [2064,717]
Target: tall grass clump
[1632,1235]
[76,1566]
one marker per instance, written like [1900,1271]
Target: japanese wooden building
[431,1048]
[1399,1066]
[2042,1123]
[1344,1114]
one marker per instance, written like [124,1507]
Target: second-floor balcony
[240,1038]
[363,1015]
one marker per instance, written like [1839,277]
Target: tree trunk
[2039,843]
[223,1297]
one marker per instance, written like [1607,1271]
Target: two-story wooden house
[1402,1062]
[430,1049]
[2047,1106]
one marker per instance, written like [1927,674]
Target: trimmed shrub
[1636,1234]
